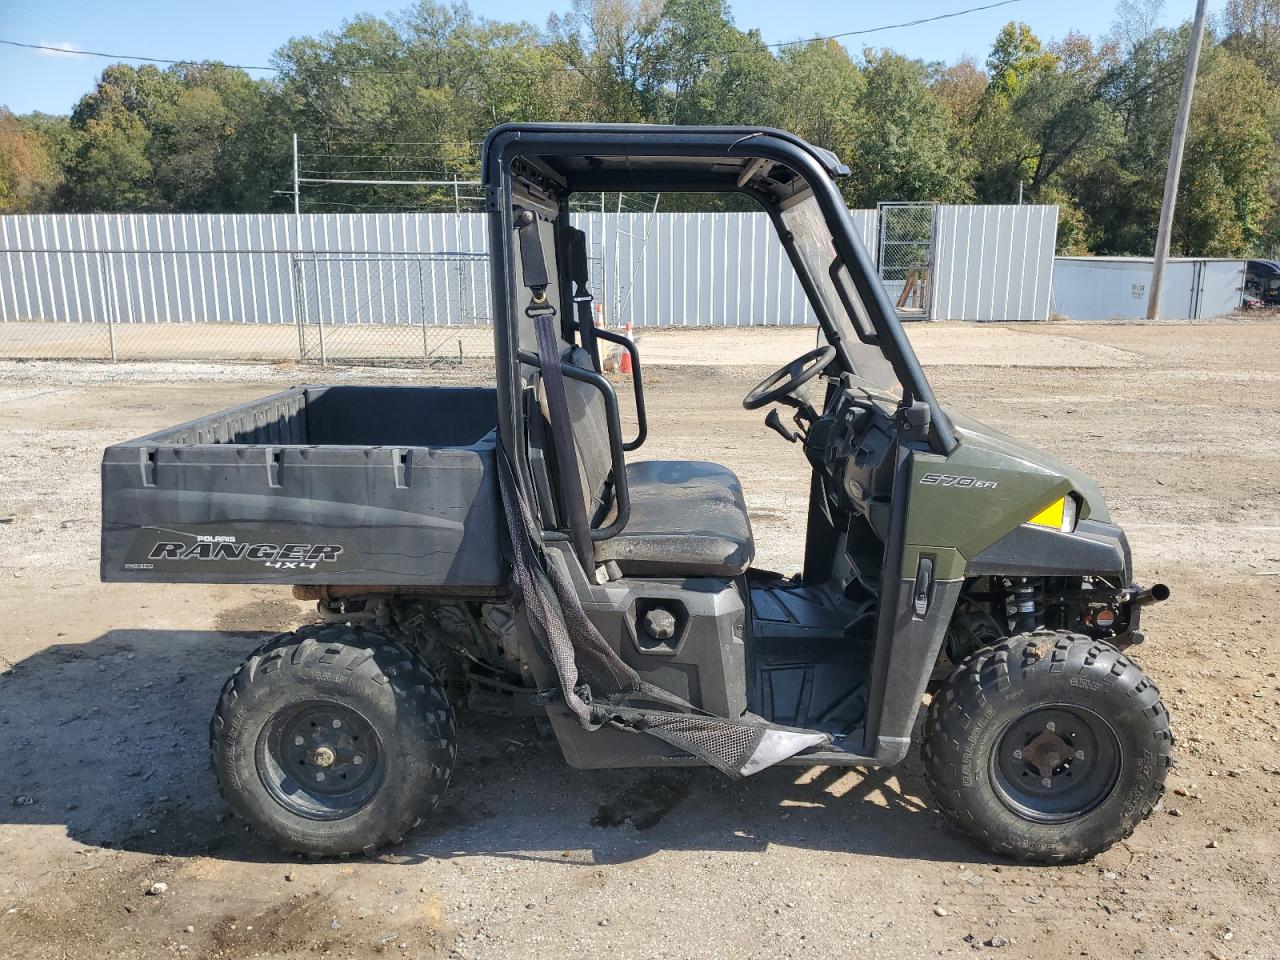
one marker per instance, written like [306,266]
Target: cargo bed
[358,485]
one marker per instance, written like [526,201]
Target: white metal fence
[993,262]
[386,286]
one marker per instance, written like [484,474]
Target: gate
[373,307]
[905,255]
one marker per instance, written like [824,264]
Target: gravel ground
[105,693]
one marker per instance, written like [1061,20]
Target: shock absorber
[1028,604]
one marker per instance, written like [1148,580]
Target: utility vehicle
[510,550]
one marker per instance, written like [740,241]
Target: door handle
[923,593]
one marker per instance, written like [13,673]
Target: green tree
[1223,203]
[1016,58]
[819,89]
[902,137]
[1252,29]
[108,170]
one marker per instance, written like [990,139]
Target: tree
[902,137]
[610,43]
[1080,123]
[819,88]
[1136,21]
[109,171]
[190,137]
[960,88]
[1252,29]
[1223,202]
[1016,57]
[29,173]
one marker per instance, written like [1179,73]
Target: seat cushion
[688,519]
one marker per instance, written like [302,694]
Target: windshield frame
[890,336]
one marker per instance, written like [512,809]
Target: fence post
[426,347]
[108,301]
[324,356]
[296,266]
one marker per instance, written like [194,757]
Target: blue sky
[240,31]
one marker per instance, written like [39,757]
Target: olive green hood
[988,486]
[969,431]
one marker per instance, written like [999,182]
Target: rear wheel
[1047,747]
[333,740]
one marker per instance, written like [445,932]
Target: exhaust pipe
[1156,593]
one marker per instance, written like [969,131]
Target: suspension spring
[1028,604]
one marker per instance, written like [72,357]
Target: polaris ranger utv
[509,549]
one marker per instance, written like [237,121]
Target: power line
[124,56]
[889,26]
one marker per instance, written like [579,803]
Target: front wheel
[1047,747]
[333,740]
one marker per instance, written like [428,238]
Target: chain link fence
[906,252]
[360,308]
[382,308]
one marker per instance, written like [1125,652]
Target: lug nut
[1079,754]
[1046,782]
[357,759]
[337,723]
[1050,726]
[1017,754]
[298,741]
[319,776]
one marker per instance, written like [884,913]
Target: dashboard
[851,445]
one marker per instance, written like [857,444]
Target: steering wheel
[788,379]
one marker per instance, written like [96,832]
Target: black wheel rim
[320,759]
[1055,763]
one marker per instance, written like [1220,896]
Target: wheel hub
[320,759]
[1046,752]
[1055,763]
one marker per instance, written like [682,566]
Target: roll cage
[542,165]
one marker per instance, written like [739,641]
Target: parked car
[1262,284]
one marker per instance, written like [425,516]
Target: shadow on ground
[110,739]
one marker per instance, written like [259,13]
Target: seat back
[590,421]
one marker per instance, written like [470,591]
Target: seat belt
[581,295]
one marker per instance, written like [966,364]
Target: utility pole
[297,198]
[1174,173]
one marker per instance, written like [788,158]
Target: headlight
[1059,515]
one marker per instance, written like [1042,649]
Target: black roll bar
[621,491]
[637,381]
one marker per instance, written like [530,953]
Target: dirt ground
[106,691]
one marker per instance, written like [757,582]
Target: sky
[248,31]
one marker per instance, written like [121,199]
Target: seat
[688,519]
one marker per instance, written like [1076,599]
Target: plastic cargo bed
[359,485]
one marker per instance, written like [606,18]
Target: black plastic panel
[339,485]
[1093,548]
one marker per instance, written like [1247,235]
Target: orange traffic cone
[624,362]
